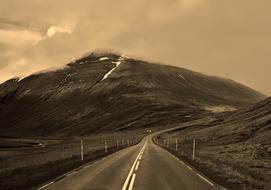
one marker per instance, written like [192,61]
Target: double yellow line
[130,180]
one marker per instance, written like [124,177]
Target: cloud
[19,38]
[55,29]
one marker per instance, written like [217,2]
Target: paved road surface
[145,166]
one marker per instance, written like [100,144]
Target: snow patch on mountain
[120,59]
[182,76]
[21,78]
[103,58]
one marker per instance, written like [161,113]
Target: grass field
[27,163]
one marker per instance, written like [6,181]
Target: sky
[227,38]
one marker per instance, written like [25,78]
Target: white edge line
[46,185]
[132,182]
[69,174]
[188,167]
[80,168]
[205,179]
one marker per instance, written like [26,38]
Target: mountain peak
[104,52]
[96,55]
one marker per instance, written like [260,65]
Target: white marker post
[176,147]
[82,150]
[194,149]
[105,146]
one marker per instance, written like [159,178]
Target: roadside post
[105,146]
[82,150]
[194,149]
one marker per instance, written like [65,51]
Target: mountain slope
[236,149]
[108,92]
[251,124]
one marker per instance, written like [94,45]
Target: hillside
[250,125]
[109,92]
[236,149]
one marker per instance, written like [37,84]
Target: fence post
[63,152]
[194,149]
[117,144]
[105,146]
[176,147]
[82,150]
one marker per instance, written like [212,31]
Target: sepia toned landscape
[135,95]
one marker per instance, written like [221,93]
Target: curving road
[144,166]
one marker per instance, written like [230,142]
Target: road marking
[189,167]
[124,187]
[137,165]
[129,175]
[132,182]
[79,168]
[205,179]
[43,187]
[69,174]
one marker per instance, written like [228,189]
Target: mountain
[109,92]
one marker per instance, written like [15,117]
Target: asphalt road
[144,166]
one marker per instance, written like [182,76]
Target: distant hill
[251,124]
[109,92]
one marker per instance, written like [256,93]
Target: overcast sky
[229,38]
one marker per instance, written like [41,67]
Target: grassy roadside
[29,167]
[195,165]
[224,164]
[32,176]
